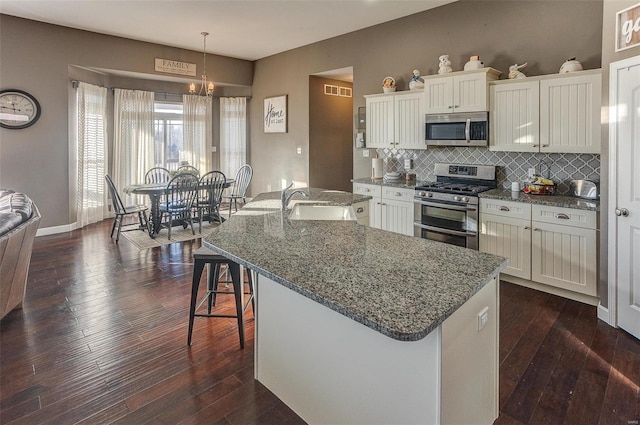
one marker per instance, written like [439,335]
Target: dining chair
[210,196]
[188,169]
[181,195]
[157,175]
[240,186]
[122,211]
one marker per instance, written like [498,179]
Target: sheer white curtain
[133,141]
[197,132]
[91,153]
[233,134]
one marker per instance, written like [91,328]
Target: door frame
[610,314]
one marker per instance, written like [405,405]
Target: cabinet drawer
[505,208]
[565,216]
[361,209]
[367,189]
[399,194]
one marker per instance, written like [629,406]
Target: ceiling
[245,29]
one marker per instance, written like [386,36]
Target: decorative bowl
[388,89]
[539,189]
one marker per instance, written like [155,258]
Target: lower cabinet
[391,207]
[552,246]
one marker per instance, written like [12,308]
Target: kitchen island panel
[330,369]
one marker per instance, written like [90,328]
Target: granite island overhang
[320,275]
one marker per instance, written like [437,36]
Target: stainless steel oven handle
[445,231]
[447,206]
[467,131]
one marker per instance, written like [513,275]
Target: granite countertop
[411,184]
[400,286]
[564,201]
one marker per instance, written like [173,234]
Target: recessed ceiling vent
[331,90]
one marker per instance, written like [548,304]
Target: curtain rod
[74,84]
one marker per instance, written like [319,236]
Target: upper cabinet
[463,91]
[559,113]
[396,120]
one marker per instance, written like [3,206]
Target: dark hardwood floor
[101,338]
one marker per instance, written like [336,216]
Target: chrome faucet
[286,197]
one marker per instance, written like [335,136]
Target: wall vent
[331,90]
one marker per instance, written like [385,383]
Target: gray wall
[36,57]
[330,137]
[542,33]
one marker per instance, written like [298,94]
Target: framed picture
[628,28]
[275,114]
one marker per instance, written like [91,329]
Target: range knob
[422,194]
[457,198]
[429,195]
[465,199]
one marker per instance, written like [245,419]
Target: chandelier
[205,87]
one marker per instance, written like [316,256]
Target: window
[168,126]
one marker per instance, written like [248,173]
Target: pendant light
[206,87]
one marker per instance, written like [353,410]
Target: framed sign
[628,28]
[275,114]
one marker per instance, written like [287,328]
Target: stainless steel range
[447,210]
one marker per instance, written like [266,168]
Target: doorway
[331,129]
[624,219]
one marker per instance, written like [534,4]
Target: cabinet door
[508,237]
[470,93]
[397,216]
[570,114]
[438,94]
[380,131]
[564,257]
[515,117]
[409,121]
[375,213]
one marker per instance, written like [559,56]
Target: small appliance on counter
[585,189]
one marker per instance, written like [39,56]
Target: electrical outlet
[531,172]
[299,150]
[214,149]
[365,153]
[483,318]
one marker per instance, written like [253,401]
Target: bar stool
[202,257]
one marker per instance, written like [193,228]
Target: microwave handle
[467,131]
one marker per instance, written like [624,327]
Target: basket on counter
[539,189]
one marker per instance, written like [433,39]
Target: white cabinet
[515,116]
[559,113]
[464,91]
[505,230]
[570,113]
[563,250]
[391,208]
[362,212]
[396,120]
[551,247]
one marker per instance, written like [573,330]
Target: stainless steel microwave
[457,129]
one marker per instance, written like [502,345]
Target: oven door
[452,223]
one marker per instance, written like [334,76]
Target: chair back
[243,178]
[157,175]
[189,169]
[118,206]
[182,192]
[211,188]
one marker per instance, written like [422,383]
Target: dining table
[155,191]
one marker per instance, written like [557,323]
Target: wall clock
[18,109]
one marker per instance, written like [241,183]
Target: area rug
[141,239]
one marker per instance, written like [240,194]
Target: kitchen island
[360,325]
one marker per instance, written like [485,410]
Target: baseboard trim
[56,229]
[587,299]
[603,314]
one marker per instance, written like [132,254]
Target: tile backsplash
[511,166]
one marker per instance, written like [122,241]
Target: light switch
[365,153]
[483,318]
[214,149]
[299,150]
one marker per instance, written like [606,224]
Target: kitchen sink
[322,212]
